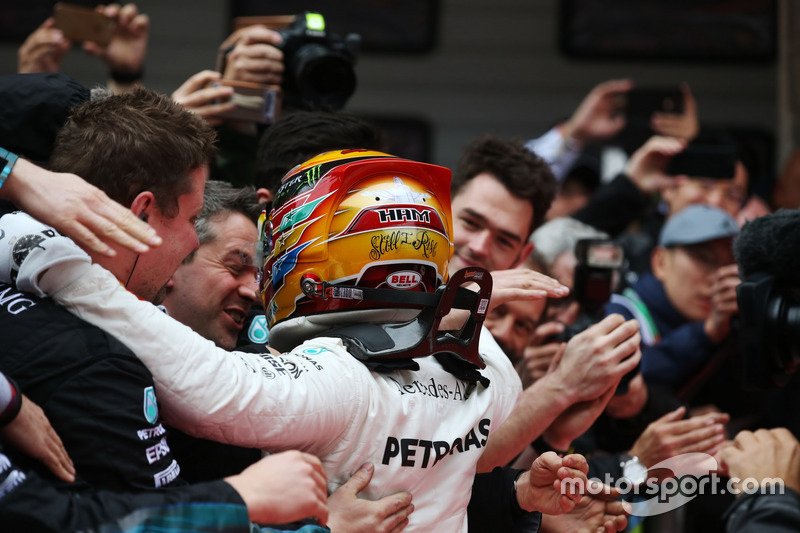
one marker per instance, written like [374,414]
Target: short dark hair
[133,142]
[221,199]
[300,135]
[522,172]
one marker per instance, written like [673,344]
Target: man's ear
[526,251]
[264,195]
[659,262]
[144,204]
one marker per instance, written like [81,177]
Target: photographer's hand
[205,101]
[600,115]
[723,302]
[253,56]
[43,50]
[684,126]
[127,48]
[647,166]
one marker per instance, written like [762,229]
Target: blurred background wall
[496,67]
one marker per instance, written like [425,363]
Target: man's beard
[506,350]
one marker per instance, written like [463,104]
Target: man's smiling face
[490,226]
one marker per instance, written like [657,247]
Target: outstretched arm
[593,362]
[251,401]
[76,209]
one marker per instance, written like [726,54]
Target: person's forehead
[486,196]
[233,231]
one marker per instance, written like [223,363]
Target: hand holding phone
[83,24]
[253,102]
[642,102]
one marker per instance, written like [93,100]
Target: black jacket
[98,396]
[765,513]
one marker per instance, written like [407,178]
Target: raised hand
[43,50]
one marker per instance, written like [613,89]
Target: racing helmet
[354,236]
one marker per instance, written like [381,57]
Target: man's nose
[480,243]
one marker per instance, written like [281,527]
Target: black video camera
[769,331]
[319,66]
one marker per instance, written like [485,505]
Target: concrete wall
[497,69]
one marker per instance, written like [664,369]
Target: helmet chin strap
[420,337]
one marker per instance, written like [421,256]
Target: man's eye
[525,328]
[497,313]
[504,243]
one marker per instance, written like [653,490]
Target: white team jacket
[423,430]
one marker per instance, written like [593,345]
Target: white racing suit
[423,430]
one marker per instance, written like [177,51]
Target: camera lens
[323,76]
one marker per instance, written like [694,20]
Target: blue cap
[695,224]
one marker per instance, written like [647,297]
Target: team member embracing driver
[355,285]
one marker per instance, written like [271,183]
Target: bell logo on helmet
[405,279]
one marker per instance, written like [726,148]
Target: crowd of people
[217,325]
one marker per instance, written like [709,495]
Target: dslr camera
[319,66]
[596,276]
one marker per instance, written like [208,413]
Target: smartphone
[255,102]
[706,161]
[644,101]
[83,24]
[599,260]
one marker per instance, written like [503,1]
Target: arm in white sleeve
[559,152]
[238,398]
